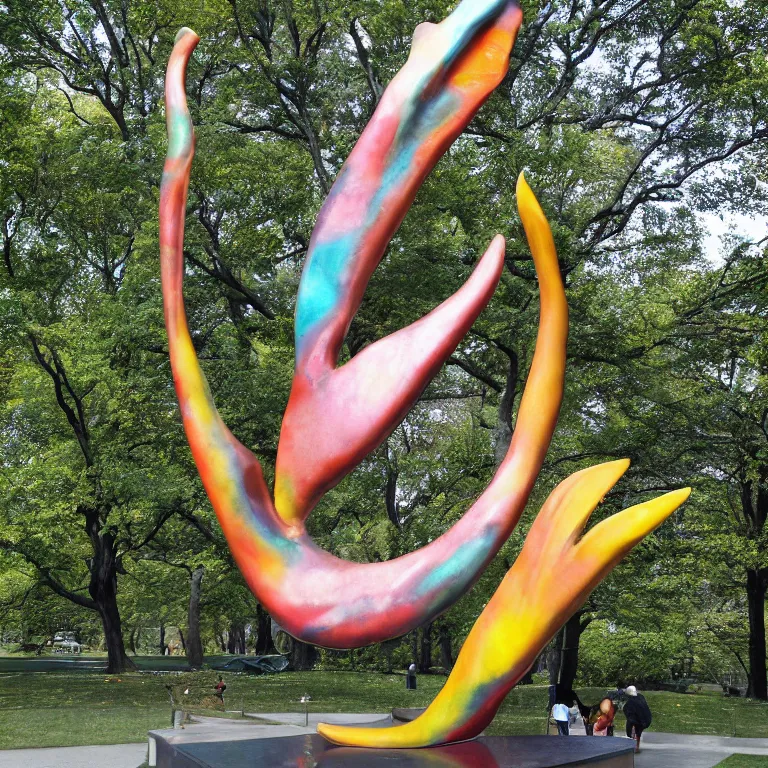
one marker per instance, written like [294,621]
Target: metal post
[305,699]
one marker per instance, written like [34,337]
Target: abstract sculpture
[335,416]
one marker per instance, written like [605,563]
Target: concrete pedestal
[312,751]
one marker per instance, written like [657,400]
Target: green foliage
[744,761]
[610,653]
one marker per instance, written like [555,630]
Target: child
[562,717]
[605,718]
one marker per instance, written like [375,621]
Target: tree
[689,400]
[82,420]
[630,118]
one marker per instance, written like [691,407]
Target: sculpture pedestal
[312,751]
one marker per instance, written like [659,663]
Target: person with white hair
[638,715]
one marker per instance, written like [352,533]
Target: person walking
[562,717]
[638,715]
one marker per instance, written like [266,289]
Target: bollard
[305,699]
[410,678]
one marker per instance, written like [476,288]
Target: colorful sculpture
[335,416]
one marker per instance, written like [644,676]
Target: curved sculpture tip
[183,32]
[523,188]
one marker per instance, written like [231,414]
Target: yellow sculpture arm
[556,570]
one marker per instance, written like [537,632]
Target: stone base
[312,751]
[406,714]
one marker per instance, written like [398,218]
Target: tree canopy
[632,119]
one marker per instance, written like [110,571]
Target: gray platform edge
[169,756]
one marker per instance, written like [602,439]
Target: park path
[673,750]
[676,750]
[113,755]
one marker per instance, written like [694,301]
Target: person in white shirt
[562,717]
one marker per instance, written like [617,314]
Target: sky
[751,227]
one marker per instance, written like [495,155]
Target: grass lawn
[744,761]
[73,708]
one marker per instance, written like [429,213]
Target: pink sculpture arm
[316,597]
[452,69]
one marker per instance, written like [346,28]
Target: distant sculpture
[337,415]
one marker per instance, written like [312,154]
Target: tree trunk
[388,648]
[415,646]
[444,641]
[264,644]
[302,655]
[117,659]
[570,651]
[425,658]
[161,643]
[231,639]
[194,645]
[554,657]
[103,591]
[236,639]
[182,639]
[503,433]
[132,641]
[527,678]
[756,588]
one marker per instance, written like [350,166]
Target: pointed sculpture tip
[616,468]
[605,474]
[325,729]
[522,183]
[183,32]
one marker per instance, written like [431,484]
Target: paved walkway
[263,726]
[673,750]
[297,718]
[676,750]
[113,756]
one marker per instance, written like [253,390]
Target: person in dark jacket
[638,715]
